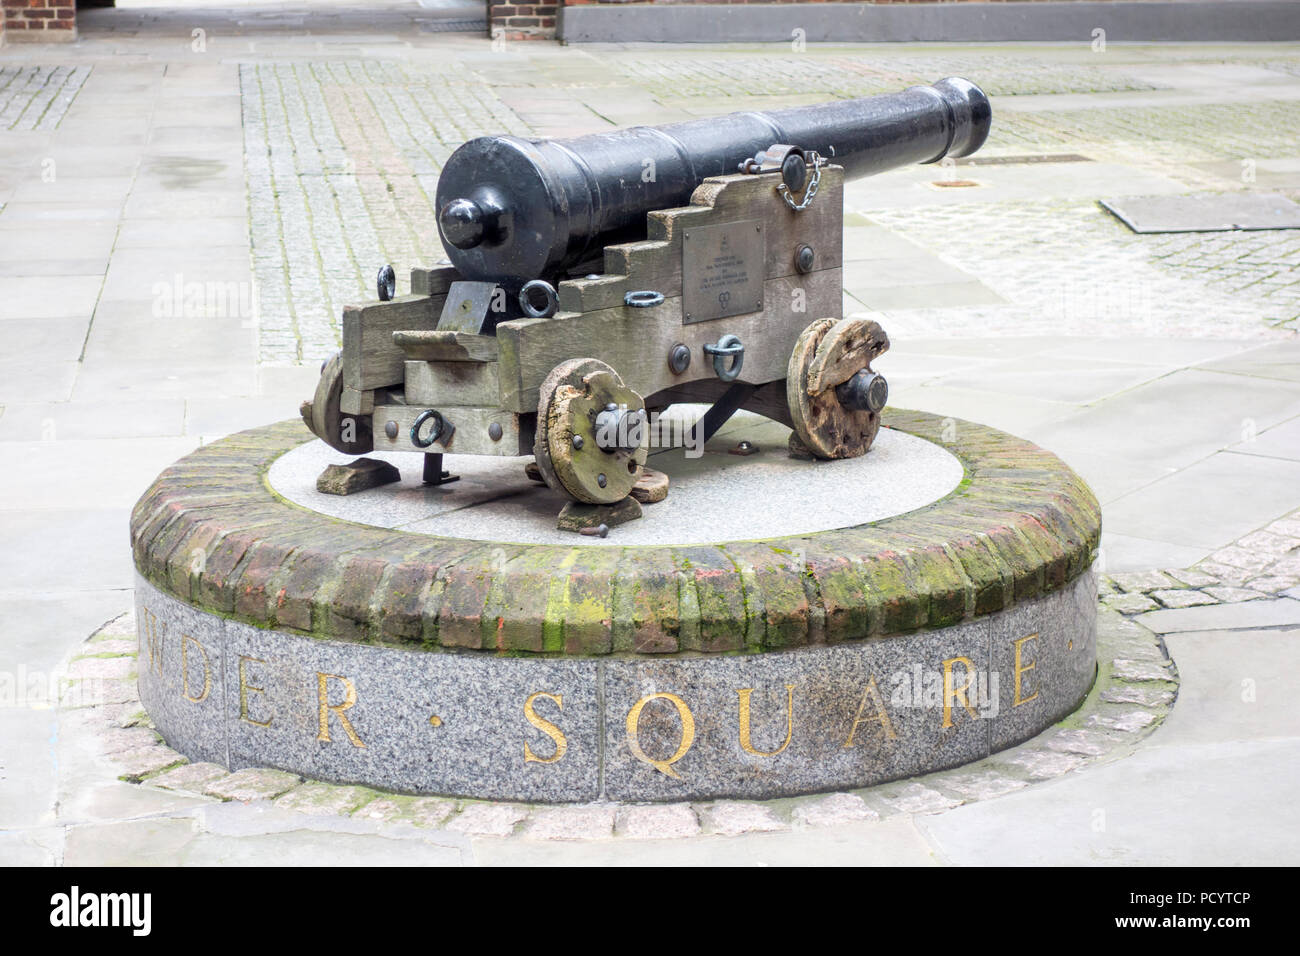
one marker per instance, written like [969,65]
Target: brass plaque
[723,269]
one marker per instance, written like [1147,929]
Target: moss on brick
[211,532]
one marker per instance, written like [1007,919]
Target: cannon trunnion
[732,298]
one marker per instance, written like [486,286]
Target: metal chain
[813,182]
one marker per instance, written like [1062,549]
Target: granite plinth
[678,728]
[397,657]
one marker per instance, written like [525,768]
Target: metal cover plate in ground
[1206,212]
[722,270]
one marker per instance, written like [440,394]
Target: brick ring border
[275,636]
[210,533]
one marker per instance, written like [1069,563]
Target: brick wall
[40,20]
[522,21]
[536,21]
[578,3]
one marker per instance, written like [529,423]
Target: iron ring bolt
[386,283]
[729,346]
[646,299]
[526,299]
[435,432]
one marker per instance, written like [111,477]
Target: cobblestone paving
[677,75]
[36,97]
[1136,687]
[1263,564]
[1289,66]
[1070,268]
[1263,129]
[342,159]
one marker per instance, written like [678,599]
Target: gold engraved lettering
[244,688]
[186,641]
[546,727]
[326,708]
[951,693]
[154,632]
[1017,700]
[872,693]
[688,733]
[745,743]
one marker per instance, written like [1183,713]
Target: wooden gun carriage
[597,281]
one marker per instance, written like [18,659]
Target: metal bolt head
[390,429]
[804,258]
[679,358]
[602,480]
[494,431]
[577,442]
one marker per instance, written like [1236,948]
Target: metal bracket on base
[720,412]
[433,473]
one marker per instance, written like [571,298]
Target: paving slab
[892,842]
[1081,381]
[1280,612]
[1280,441]
[156,842]
[311,848]
[36,632]
[1169,422]
[35,847]
[46,298]
[1280,360]
[69,549]
[76,421]
[1014,414]
[1205,212]
[51,473]
[1144,809]
[1234,686]
[1219,499]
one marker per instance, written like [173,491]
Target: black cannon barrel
[513,209]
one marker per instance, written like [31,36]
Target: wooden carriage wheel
[829,353]
[577,398]
[327,422]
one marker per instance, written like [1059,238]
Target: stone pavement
[182,214]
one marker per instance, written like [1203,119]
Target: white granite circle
[713,498]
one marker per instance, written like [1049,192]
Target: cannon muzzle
[513,209]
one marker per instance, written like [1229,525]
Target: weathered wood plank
[353,402]
[435,280]
[371,359]
[451,383]
[636,342]
[441,345]
[471,437]
[656,263]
